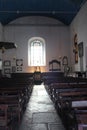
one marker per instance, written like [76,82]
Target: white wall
[79,26]
[54,32]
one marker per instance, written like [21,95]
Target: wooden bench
[70,98]
[5,119]
[14,103]
[56,88]
[72,101]
[82,121]
[15,93]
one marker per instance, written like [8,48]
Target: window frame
[31,40]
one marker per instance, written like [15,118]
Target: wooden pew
[14,103]
[81,118]
[5,119]
[56,88]
[55,79]
[73,101]
[67,96]
[66,93]
[15,93]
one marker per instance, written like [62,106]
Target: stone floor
[40,113]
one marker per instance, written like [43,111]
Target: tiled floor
[40,113]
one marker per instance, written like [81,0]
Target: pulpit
[37,78]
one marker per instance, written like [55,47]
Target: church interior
[43,65]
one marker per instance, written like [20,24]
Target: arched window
[36,52]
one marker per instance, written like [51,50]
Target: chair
[54,65]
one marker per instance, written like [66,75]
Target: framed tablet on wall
[7,63]
[80,47]
[19,62]
[7,71]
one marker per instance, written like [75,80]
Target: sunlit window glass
[36,53]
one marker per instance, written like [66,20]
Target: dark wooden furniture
[37,78]
[82,121]
[15,92]
[54,65]
[69,95]
[7,45]
[80,74]
[5,119]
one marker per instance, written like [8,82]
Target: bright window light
[36,52]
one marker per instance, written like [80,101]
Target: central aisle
[40,113]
